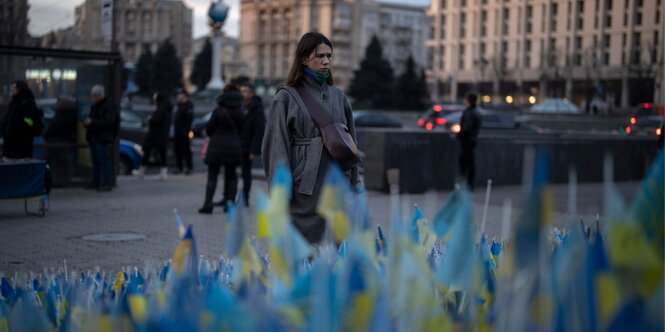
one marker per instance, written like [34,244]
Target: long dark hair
[307,44]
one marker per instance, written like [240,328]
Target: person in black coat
[157,138]
[224,147]
[182,124]
[102,130]
[60,136]
[251,135]
[468,137]
[22,122]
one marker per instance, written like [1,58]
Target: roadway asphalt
[144,208]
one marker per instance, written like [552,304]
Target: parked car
[199,125]
[555,106]
[375,119]
[435,115]
[131,155]
[646,119]
[489,120]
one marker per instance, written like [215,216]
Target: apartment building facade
[136,24]
[270,31]
[527,50]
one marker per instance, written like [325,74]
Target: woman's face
[319,60]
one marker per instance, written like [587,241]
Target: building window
[580,6]
[443,4]
[443,57]
[636,57]
[608,21]
[636,40]
[461,57]
[580,23]
[443,26]
[606,58]
[527,53]
[638,18]
[483,23]
[639,3]
[608,4]
[483,50]
[553,15]
[506,20]
[462,25]
[462,3]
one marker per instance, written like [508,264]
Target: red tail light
[441,121]
[429,126]
[659,131]
[646,105]
[437,108]
[455,128]
[628,130]
[633,120]
[421,122]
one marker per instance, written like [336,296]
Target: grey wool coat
[292,137]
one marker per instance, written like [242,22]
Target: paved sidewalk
[29,243]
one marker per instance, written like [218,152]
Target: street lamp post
[217,13]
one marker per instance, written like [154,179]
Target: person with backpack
[23,121]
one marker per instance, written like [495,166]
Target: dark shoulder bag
[336,137]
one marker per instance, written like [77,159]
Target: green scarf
[319,77]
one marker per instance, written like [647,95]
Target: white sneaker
[139,172]
[163,173]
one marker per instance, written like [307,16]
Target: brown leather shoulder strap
[320,117]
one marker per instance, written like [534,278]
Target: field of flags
[423,274]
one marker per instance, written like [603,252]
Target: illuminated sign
[48,74]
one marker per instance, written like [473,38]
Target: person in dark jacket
[22,122]
[102,130]
[182,124]
[224,148]
[468,137]
[60,137]
[251,135]
[158,134]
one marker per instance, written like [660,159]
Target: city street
[143,210]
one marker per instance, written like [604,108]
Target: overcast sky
[46,15]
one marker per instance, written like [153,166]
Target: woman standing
[224,148]
[158,133]
[22,123]
[291,135]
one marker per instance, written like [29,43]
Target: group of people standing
[235,132]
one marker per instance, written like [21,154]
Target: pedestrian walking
[182,124]
[22,122]
[468,138]
[251,135]
[157,138]
[293,138]
[103,125]
[224,147]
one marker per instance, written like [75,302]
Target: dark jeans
[230,183]
[246,168]
[467,165]
[147,150]
[182,151]
[101,162]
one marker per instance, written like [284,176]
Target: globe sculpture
[217,13]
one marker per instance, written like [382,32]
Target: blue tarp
[22,178]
